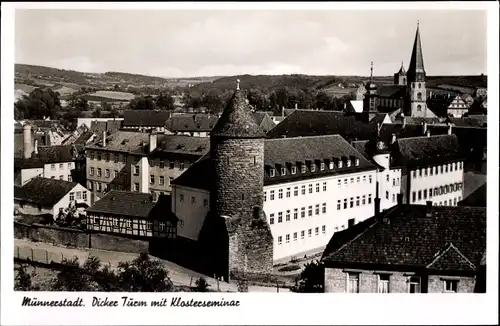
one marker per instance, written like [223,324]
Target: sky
[187,43]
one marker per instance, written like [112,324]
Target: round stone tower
[236,197]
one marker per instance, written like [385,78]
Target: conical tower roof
[237,120]
[416,71]
[402,70]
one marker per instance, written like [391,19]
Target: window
[287,238]
[287,216]
[106,173]
[280,217]
[294,169]
[352,180]
[78,195]
[338,205]
[363,200]
[295,213]
[313,167]
[303,189]
[323,208]
[346,181]
[193,200]
[162,164]
[420,195]
[364,179]
[91,171]
[310,188]
[353,282]
[99,155]
[136,170]
[358,179]
[53,167]
[97,221]
[310,211]
[149,225]
[393,182]
[323,229]
[345,203]
[317,187]
[303,212]
[171,164]
[124,158]
[446,168]
[339,183]
[425,193]
[271,218]
[280,194]
[71,196]
[98,184]
[322,166]
[351,202]
[340,164]
[414,174]
[181,198]
[369,198]
[295,236]
[271,197]
[288,192]
[450,285]
[302,168]
[441,169]
[330,165]
[205,202]
[92,155]
[129,224]
[386,195]
[316,231]
[161,180]
[265,195]
[419,107]
[136,187]
[419,173]
[99,172]
[280,240]
[351,222]
[302,234]
[453,167]
[181,165]
[309,233]
[370,179]
[430,192]
[84,195]
[316,209]
[413,196]
[324,186]
[454,202]
[393,198]
[61,177]
[383,283]
[271,173]
[296,191]
[348,163]
[414,284]
[283,171]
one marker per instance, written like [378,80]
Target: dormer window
[330,165]
[348,163]
[356,161]
[341,164]
[294,169]
[313,167]
[303,168]
[271,173]
[322,166]
[283,171]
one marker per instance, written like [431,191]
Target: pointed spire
[237,84]
[416,71]
[371,71]
[402,70]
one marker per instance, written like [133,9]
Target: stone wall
[336,282]
[78,238]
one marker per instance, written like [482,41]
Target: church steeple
[370,100]
[416,71]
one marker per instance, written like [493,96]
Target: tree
[165,101]
[213,101]
[97,113]
[38,104]
[202,285]
[71,277]
[323,101]
[144,275]
[311,279]
[142,103]
[257,99]
[22,280]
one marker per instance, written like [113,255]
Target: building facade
[458,107]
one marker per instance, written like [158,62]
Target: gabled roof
[476,199]
[198,175]
[185,122]
[436,237]
[46,155]
[180,144]
[133,204]
[145,118]
[475,121]
[44,191]
[109,126]
[264,121]
[123,141]
[392,91]
[237,121]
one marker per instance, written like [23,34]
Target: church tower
[237,218]
[417,94]
[400,76]
[370,102]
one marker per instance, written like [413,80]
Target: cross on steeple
[371,71]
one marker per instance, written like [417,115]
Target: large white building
[313,187]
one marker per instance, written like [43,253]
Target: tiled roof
[110,126]
[264,121]
[392,91]
[445,238]
[191,122]
[83,138]
[180,144]
[237,121]
[43,124]
[18,192]
[476,199]
[424,151]
[476,121]
[46,155]
[145,118]
[123,141]
[132,204]
[420,120]
[282,151]
[45,192]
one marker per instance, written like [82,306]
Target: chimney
[450,127]
[36,147]
[27,140]
[428,207]
[430,94]
[153,139]
[296,106]
[393,140]
[404,122]
[377,207]
[282,111]
[104,136]
[400,199]
[424,128]
[428,133]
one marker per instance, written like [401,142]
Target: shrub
[311,279]
[202,285]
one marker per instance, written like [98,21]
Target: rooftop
[180,144]
[46,155]
[435,238]
[122,141]
[186,122]
[145,118]
[43,191]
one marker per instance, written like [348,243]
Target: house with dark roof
[264,121]
[408,249]
[191,124]
[145,120]
[458,107]
[42,196]
[132,214]
[476,199]
[87,122]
